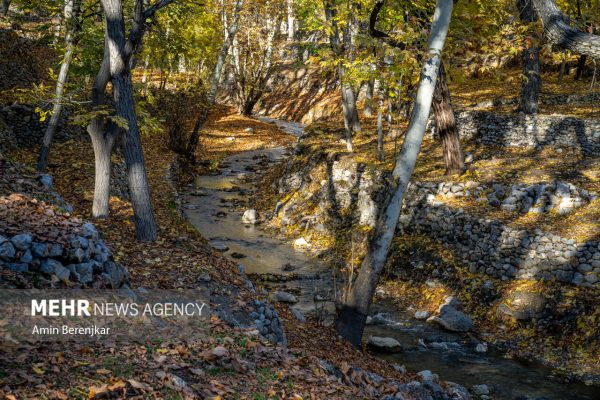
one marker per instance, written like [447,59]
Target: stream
[212,206]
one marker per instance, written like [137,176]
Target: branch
[150,11]
[377,34]
[560,33]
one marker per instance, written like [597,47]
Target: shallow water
[215,214]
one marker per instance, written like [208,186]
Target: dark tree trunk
[139,189]
[532,82]
[580,66]
[446,125]
[71,12]
[5,7]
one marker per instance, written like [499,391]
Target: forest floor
[228,363]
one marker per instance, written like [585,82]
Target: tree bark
[291,20]
[353,313]
[560,33]
[349,109]
[446,125]
[71,12]
[215,80]
[368,110]
[5,7]
[532,82]
[380,149]
[139,189]
[580,66]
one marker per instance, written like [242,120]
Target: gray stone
[89,231]
[39,250]
[61,272]
[250,217]
[27,257]
[49,265]
[22,241]
[377,319]
[17,267]
[298,315]
[424,314]
[85,271]
[284,297]
[46,180]
[56,250]
[480,390]
[385,344]
[452,319]
[523,305]
[7,251]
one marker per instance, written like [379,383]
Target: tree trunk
[560,33]
[446,125]
[71,12]
[291,29]
[215,80]
[532,82]
[353,314]
[580,66]
[103,145]
[5,7]
[349,110]
[103,137]
[380,150]
[368,110]
[139,189]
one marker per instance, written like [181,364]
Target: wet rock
[284,297]
[523,305]
[457,392]
[451,318]
[198,193]
[481,348]
[220,247]
[480,390]
[238,255]
[385,344]
[422,315]
[288,267]
[427,375]
[377,319]
[22,241]
[399,368]
[250,217]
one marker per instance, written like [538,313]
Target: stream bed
[213,205]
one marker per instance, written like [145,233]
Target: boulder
[49,266]
[284,297]
[422,315]
[22,241]
[7,251]
[451,318]
[523,305]
[250,217]
[385,344]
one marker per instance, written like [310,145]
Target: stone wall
[27,129]
[491,248]
[536,131]
[330,188]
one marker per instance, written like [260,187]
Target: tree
[72,12]
[253,56]
[561,34]
[5,7]
[229,35]
[445,123]
[116,68]
[442,106]
[532,80]
[355,308]
[339,47]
